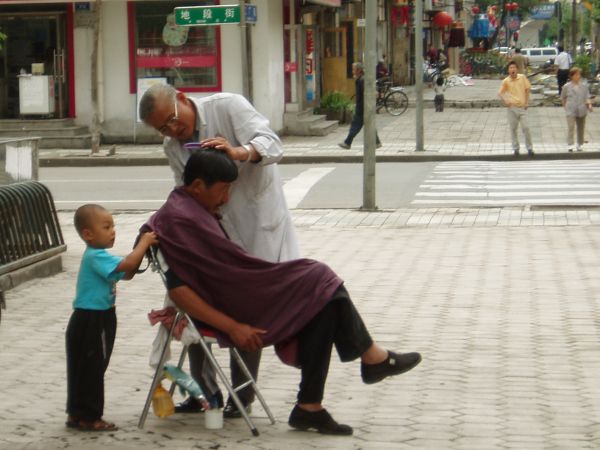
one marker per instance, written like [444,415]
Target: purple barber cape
[278,297]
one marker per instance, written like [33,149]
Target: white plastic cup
[213,419]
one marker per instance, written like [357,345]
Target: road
[399,185]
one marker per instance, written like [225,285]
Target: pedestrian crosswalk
[513,183]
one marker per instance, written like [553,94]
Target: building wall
[119,105]
[267,62]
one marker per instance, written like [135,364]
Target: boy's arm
[131,262]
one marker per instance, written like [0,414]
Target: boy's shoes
[580,148]
[319,420]
[570,149]
[344,145]
[231,411]
[191,405]
[395,364]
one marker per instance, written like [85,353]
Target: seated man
[300,306]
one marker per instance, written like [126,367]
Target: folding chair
[207,337]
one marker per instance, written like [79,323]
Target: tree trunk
[95,127]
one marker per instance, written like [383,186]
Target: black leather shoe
[189,405]
[321,421]
[395,364]
[232,412]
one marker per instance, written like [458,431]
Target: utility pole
[419,73]
[369,158]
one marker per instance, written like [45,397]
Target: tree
[595,16]
[523,10]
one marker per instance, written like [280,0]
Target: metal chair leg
[232,392]
[158,373]
[249,376]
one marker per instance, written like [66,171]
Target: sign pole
[244,43]
[369,159]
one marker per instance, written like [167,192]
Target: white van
[538,56]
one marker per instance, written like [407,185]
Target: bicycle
[392,98]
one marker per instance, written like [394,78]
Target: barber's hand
[247,337]
[220,143]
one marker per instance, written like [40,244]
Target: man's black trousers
[337,323]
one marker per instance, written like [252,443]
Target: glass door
[32,38]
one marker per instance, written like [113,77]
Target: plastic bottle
[162,403]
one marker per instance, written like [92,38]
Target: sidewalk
[467,132]
[502,303]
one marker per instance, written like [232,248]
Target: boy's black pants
[337,323]
[90,338]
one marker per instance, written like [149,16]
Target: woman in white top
[575,97]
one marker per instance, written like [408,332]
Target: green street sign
[207,15]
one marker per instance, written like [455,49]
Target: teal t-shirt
[97,280]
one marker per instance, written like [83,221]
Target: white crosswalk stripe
[489,183]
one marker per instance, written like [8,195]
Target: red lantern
[442,19]
[475,9]
[508,6]
[515,6]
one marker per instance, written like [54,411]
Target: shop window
[188,57]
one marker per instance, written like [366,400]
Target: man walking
[563,64]
[514,92]
[358,120]
[521,61]
[256,216]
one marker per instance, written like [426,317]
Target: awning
[333,3]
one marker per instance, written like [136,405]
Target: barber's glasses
[171,122]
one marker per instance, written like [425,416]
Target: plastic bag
[162,403]
[186,383]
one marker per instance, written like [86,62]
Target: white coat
[256,217]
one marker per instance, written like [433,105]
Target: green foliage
[335,101]
[595,13]
[584,62]
[2,39]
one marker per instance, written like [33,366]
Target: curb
[425,156]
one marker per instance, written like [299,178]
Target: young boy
[439,89]
[91,331]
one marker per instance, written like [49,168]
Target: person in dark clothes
[358,120]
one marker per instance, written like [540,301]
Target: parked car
[538,56]
[501,50]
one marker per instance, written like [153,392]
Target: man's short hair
[211,166]
[560,48]
[148,101]
[84,216]
[359,66]
[517,50]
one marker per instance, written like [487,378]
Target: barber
[256,216]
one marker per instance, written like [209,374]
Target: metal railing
[29,227]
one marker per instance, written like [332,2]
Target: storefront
[39,44]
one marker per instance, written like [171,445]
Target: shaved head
[85,215]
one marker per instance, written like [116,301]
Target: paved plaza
[502,303]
